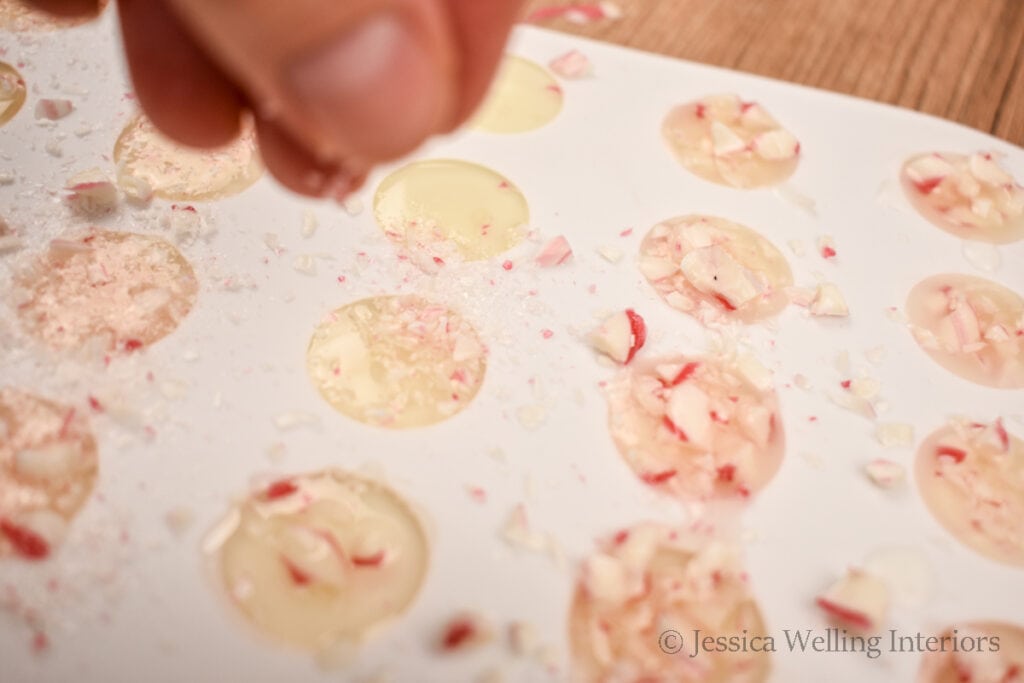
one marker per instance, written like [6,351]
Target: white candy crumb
[523,639]
[614,337]
[179,520]
[829,301]
[610,254]
[305,264]
[291,420]
[136,190]
[754,372]
[276,452]
[875,355]
[309,224]
[6,178]
[798,199]
[517,532]
[353,206]
[895,434]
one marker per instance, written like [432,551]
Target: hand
[336,86]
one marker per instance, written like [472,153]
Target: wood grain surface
[959,59]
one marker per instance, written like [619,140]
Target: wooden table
[959,59]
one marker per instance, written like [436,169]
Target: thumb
[356,81]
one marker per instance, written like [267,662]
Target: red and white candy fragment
[580,13]
[715,270]
[620,336]
[318,559]
[48,468]
[971,326]
[731,142]
[827,247]
[92,192]
[554,253]
[885,474]
[571,65]
[857,600]
[970,196]
[647,578]
[698,428]
[984,652]
[969,476]
[53,110]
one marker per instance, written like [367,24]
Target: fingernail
[375,90]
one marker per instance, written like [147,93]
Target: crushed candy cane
[858,600]
[620,336]
[895,434]
[885,474]
[53,110]
[828,301]
[572,64]
[92,192]
[556,252]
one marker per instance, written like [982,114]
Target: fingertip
[185,96]
[298,170]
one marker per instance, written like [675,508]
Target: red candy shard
[280,489]
[958,454]
[458,633]
[25,542]
[725,302]
[299,577]
[638,328]
[828,252]
[375,560]
[928,185]
[684,374]
[845,615]
[655,478]
[726,473]
[1004,438]
[674,429]
[132,345]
